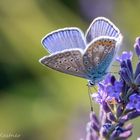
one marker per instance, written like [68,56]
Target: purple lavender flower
[132,79]
[114,91]
[124,56]
[111,122]
[108,90]
[134,102]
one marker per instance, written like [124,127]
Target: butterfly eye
[71,60]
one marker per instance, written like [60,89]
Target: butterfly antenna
[89,94]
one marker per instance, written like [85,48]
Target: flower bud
[137,46]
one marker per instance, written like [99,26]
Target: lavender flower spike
[119,101]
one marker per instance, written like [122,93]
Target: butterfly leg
[90,99]
[90,84]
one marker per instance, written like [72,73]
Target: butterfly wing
[102,27]
[69,62]
[98,56]
[63,39]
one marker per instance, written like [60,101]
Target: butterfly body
[88,58]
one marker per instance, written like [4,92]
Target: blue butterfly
[88,56]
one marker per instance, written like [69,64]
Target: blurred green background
[39,103]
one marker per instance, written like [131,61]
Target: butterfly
[88,56]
